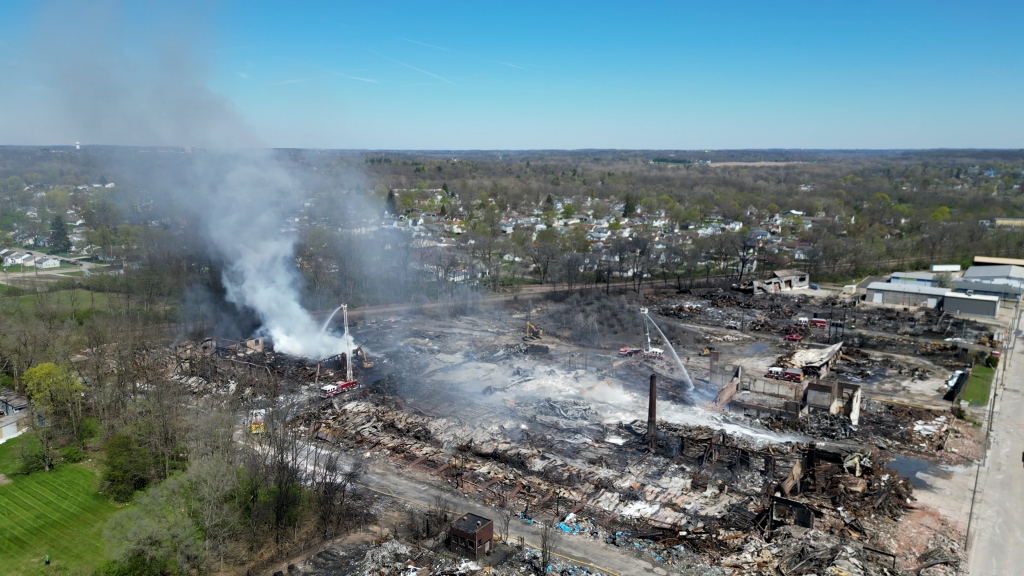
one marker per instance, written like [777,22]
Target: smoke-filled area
[235,195]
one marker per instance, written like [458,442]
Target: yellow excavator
[707,351]
[367,363]
[532,332]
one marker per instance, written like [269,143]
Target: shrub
[89,429]
[72,454]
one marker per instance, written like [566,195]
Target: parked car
[794,337]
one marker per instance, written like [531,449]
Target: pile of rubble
[690,490]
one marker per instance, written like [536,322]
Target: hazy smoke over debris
[111,91]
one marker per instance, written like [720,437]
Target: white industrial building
[905,294]
[1006,281]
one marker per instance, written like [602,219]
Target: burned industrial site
[756,453]
[400,289]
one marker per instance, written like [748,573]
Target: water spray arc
[671,349]
[329,318]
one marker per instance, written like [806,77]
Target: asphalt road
[997,524]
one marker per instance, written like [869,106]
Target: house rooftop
[470,523]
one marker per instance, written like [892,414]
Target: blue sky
[514,75]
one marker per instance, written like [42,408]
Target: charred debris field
[538,410]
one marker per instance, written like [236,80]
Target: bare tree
[546,535]
[506,521]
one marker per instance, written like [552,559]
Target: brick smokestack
[652,409]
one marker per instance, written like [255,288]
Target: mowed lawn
[66,300]
[978,387]
[58,513]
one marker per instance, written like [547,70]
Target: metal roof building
[905,294]
[1006,271]
[971,304]
[1005,281]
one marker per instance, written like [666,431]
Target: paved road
[8,275]
[997,525]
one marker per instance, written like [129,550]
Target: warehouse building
[1003,281]
[1004,290]
[971,305]
[905,294]
[915,278]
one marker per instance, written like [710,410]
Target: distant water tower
[77,146]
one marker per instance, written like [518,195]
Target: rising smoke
[107,88]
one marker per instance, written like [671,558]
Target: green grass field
[977,390]
[58,513]
[61,300]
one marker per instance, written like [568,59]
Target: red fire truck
[339,387]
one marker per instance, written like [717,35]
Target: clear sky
[525,74]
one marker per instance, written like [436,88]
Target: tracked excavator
[532,331]
[367,363]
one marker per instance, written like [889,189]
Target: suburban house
[13,425]
[23,258]
[46,262]
[11,402]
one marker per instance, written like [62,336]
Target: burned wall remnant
[780,281]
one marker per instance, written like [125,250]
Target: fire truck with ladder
[349,383]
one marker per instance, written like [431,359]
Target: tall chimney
[652,409]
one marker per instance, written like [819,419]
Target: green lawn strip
[60,300]
[73,535]
[977,390]
[10,462]
[51,502]
[58,513]
[39,512]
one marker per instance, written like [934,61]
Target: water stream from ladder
[686,375]
[329,318]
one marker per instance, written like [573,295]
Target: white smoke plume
[102,89]
[247,196]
